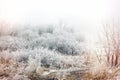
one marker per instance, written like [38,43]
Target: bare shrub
[112,43]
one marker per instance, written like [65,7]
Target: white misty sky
[84,15]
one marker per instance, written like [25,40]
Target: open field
[47,52]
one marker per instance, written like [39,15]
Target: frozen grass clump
[6,58]
[42,57]
[102,72]
[21,56]
[46,58]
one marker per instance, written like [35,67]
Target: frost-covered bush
[31,32]
[11,43]
[58,43]
[53,38]
[46,29]
[28,34]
